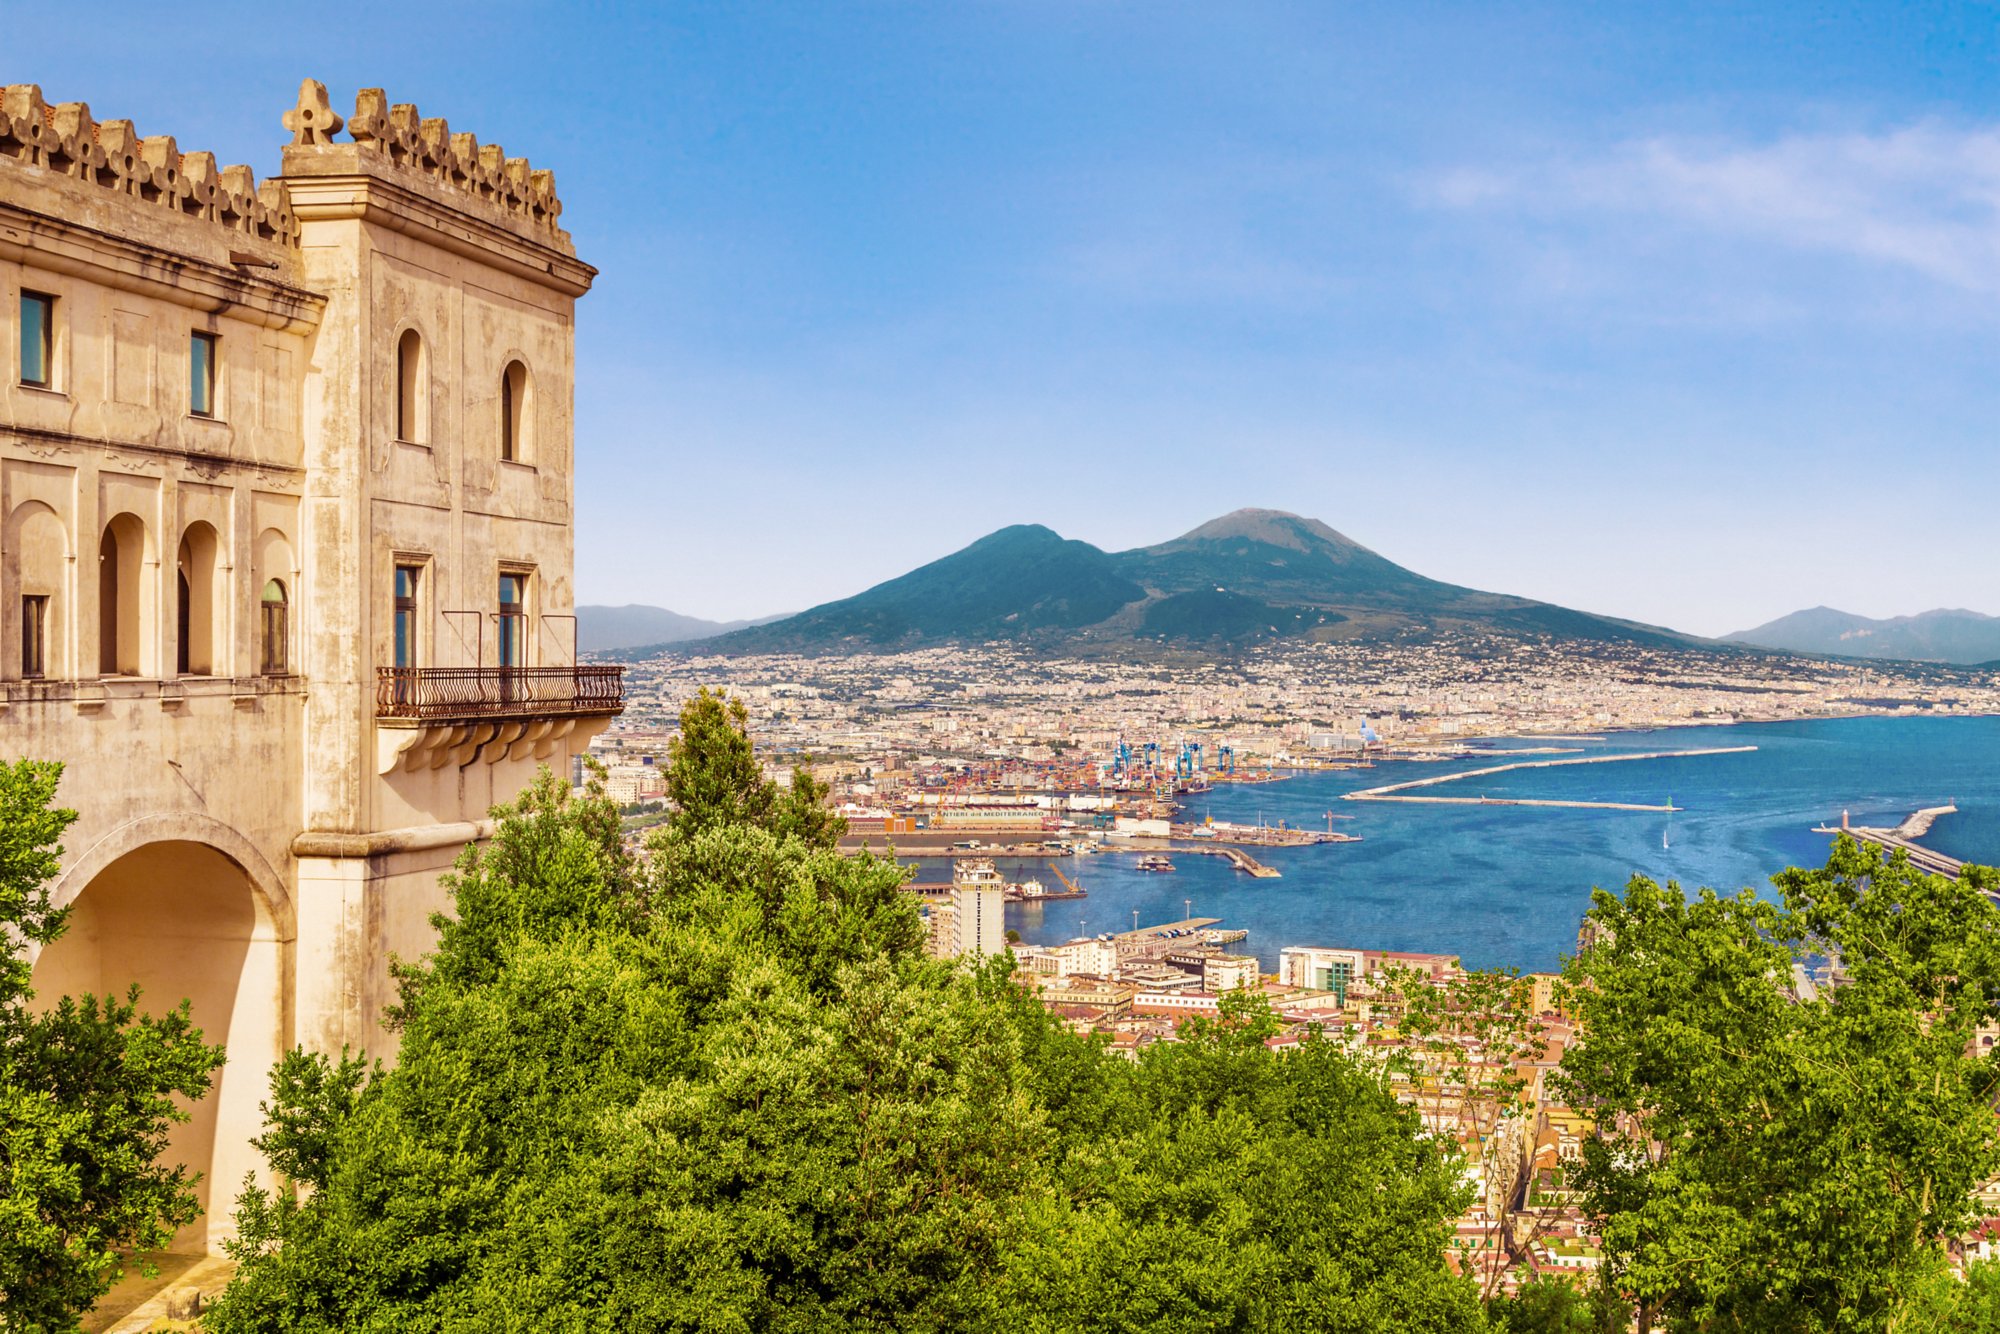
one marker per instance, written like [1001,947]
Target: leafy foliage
[1553,1305]
[723,1089]
[1772,1155]
[87,1090]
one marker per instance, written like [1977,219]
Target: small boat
[1153,861]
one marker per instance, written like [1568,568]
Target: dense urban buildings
[286,486]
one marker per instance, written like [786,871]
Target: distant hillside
[1015,582]
[1249,576]
[1945,635]
[602,629]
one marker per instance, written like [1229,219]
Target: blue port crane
[1153,756]
[1225,758]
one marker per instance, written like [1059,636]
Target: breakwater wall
[1403,791]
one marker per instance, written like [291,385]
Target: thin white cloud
[1924,198]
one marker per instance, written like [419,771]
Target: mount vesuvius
[1247,577]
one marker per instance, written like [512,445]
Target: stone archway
[185,920]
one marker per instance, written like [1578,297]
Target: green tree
[1770,1154]
[714,779]
[1556,1305]
[1222,1187]
[724,1089]
[1947,1304]
[87,1089]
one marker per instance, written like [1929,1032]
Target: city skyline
[1635,314]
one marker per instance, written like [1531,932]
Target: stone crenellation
[65,138]
[407,139]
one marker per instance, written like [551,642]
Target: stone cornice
[39,440]
[361,194]
[30,237]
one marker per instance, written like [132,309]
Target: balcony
[427,717]
[456,694]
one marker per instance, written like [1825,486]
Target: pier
[1900,839]
[1401,791]
[1238,858]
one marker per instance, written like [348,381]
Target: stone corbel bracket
[421,746]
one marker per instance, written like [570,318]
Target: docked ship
[1034,891]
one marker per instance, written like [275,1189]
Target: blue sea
[1507,885]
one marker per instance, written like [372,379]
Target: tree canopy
[720,1087]
[1776,1152]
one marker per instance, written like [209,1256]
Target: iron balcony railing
[424,694]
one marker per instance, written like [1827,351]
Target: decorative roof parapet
[404,138]
[111,154]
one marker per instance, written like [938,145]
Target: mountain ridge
[601,628]
[1246,577]
[1952,635]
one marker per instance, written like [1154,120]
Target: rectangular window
[513,620]
[202,349]
[38,340]
[276,650]
[34,635]
[406,614]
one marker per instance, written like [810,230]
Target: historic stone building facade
[285,555]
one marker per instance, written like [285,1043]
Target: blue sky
[1689,313]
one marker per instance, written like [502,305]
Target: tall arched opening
[198,628]
[124,602]
[184,921]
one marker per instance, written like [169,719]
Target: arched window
[196,622]
[36,584]
[274,629]
[412,389]
[514,416]
[122,602]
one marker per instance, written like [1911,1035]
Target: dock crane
[1225,759]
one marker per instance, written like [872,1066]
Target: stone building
[286,516]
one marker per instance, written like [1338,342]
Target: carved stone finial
[83,158]
[36,139]
[313,120]
[124,158]
[436,154]
[163,155]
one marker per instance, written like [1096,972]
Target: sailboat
[1668,828]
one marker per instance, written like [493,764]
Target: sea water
[1508,885]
